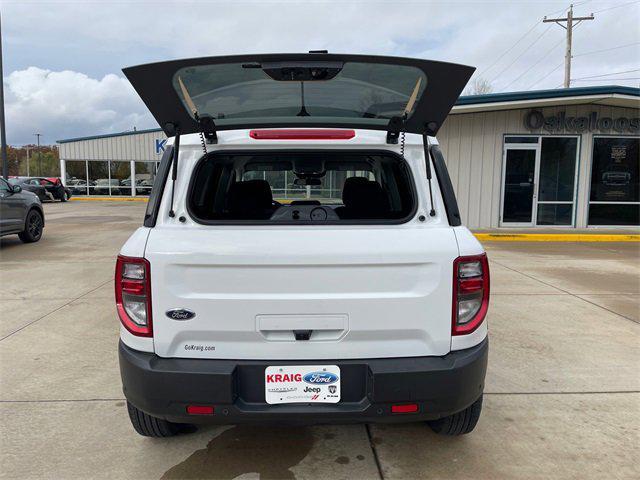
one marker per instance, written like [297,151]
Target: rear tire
[33,225]
[459,423]
[149,426]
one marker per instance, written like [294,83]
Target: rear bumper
[440,386]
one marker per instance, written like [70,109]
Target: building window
[614,198]
[145,175]
[98,177]
[94,177]
[539,181]
[76,178]
[120,178]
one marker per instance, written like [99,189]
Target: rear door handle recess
[302,327]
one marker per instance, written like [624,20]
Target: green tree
[43,162]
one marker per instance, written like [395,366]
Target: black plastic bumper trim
[163,387]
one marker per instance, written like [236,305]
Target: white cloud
[66,103]
[102,37]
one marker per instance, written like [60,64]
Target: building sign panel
[535,120]
[160,145]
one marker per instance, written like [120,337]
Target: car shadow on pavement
[9,242]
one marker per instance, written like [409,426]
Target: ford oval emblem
[180,314]
[320,378]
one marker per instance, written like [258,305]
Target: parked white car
[302,257]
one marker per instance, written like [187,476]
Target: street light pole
[3,133]
[39,154]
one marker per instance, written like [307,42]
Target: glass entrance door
[556,181]
[539,181]
[519,185]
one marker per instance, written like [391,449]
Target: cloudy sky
[63,59]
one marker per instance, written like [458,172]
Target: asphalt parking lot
[562,398]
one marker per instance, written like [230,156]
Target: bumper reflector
[199,410]
[405,408]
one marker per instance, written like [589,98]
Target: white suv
[302,257]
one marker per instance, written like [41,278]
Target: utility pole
[3,133]
[39,154]
[570,19]
[27,147]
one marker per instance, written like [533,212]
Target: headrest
[249,196]
[360,193]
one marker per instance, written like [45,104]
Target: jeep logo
[180,314]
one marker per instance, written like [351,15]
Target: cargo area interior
[301,187]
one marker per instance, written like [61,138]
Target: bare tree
[479,86]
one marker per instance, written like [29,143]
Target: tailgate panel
[365,293]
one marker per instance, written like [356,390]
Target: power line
[569,20]
[565,8]
[617,6]
[479,74]
[537,82]
[543,57]
[509,49]
[520,56]
[603,79]
[607,74]
[534,65]
[606,49]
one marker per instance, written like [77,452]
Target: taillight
[470,293]
[133,294]
[302,134]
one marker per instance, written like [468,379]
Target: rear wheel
[149,426]
[458,423]
[33,225]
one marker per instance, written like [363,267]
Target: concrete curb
[109,199]
[556,237]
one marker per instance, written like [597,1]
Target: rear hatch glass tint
[301,188]
[368,91]
[299,90]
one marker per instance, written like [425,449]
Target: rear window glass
[306,187]
[371,91]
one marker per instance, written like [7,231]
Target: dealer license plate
[302,384]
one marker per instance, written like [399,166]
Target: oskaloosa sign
[535,120]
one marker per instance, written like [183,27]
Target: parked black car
[45,188]
[30,185]
[20,212]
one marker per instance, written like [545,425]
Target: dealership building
[548,158]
